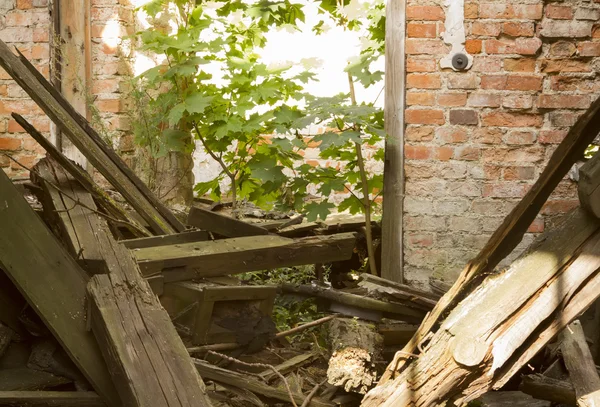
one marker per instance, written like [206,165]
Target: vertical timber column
[395,68]
[74,28]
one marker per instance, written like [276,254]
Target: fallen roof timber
[76,128]
[239,255]
[50,399]
[223,225]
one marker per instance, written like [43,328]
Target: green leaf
[329,185]
[197,103]
[351,204]
[329,139]
[315,210]
[176,114]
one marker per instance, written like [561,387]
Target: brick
[463,188]
[589,49]
[418,152]
[506,119]
[420,239]
[450,135]
[424,47]
[420,65]
[487,64]
[510,11]
[565,65]
[520,65]
[519,138]
[23,107]
[9,144]
[420,98]
[105,86]
[423,81]
[486,207]
[518,29]
[14,34]
[420,133]
[452,99]
[450,207]
[40,51]
[504,190]
[557,12]
[518,173]
[500,46]
[3,90]
[486,29]
[420,30]
[566,29]
[462,81]
[528,46]
[444,153]
[492,172]
[562,49]
[537,226]
[474,46]
[467,153]
[465,224]
[19,19]
[519,154]
[488,136]
[24,160]
[586,13]
[555,207]
[24,4]
[480,99]
[511,82]
[108,105]
[471,10]
[451,170]
[432,187]
[418,205]
[40,124]
[419,169]
[464,117]
[425,116]
[41,35]
[517,102]
[563,119]
[551,136]
[426,13]
[563,102]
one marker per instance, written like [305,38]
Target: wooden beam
[75,44]
[393,170]
[580,364]
[50,399]
[100,155]
[52,283]
[222,225]
[166,240]
[242,254]
[588,186]
[547,388]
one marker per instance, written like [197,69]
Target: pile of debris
[101,305]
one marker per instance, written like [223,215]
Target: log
[222,225]
[354,300]
[239,255]
[52,283]
[580,364]
[50,399]
[354,345]
[148,361]
[498,328]
[221,375]
[100,155]
[546,388]
[105,201]
[510,232]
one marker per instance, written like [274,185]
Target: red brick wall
[477,140]
[25,24]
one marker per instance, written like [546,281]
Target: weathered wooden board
[510,399]
[511,232]
[21,379]
[238,255]
[100,155]
[222,225]
[166,240]
[52,283]
[494,331]
[588,186]
[546,388]
[50,399]
[580,364]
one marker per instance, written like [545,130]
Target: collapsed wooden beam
[166,240]
[510,233]
[222,225]
[547,388]
[52,283]
[102,157]
[50,399]
[503,323]
[238,255]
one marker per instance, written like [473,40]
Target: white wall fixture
[454,35]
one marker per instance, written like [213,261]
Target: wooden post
[73,17]
[393,172]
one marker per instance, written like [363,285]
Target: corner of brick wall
[477,140]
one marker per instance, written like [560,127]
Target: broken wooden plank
[398,292]
[510,399]
[512,230]
[353,300]
[498,328]
[105,201]
[50,399]
[222,225]
[149,364]
[22,379]
[243,381]
[290,365]
[90,143]
[166,240]
[52,282]
[580,364]
[242,254]
[547,388]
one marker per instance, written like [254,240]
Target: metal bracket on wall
[454,35]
